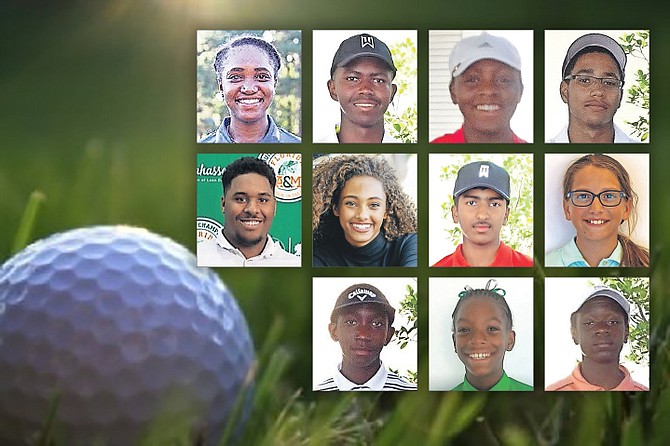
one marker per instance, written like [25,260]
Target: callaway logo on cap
[362,293]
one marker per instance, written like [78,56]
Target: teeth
[487,107]
[597,222]
[361,227]
[251,222]
[248,101]
[479,355]
[364,105]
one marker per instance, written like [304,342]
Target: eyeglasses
[587,81]
[608,198]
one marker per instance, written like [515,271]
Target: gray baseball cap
[362,293]
[603,291]
[484,46]
[361,45]
[482,174]
[599,41]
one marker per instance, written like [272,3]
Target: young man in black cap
[481,207]
[592,86]
[361,81]
[361,322]
[600,327]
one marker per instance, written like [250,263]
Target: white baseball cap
[603,291]
[484,46]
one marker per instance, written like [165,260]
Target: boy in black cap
[481,207]
[361,81]
[600,327]
[361,322]
[592,86]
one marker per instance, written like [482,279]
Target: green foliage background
[404,123]
[637,45]
[98,116]
[518,232]
[286,106]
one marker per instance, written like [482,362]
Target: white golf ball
[121,332]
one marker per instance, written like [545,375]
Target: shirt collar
[375,383]
[626,383]
[268,250]
[502,384]
[571,256]
[271,136]
[387,138]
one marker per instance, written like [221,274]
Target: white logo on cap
[361,293]
[367,41]
[483,171]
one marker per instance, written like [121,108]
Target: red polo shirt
[505,256]
[459,138]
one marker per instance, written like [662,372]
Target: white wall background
[445,369]
[444,115]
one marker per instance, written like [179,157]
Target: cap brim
[476,185]
[465,64]
[345,62]
[609,294]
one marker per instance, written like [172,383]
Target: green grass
[99,129]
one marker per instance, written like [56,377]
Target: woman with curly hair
[360,214]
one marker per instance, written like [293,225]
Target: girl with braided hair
[482,333]
[361,216]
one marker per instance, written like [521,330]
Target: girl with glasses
[598,199]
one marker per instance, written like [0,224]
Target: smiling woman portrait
[361,216]
[244,74]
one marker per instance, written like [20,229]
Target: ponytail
[633,254]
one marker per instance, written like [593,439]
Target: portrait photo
[249,86]
[593,324]
[490,220]
[364,209]
[364,324]
[582,229]
[249,209]
[365,86]
[597,86]
[480,86]
[476,338]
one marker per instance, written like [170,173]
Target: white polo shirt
[382,380]
[620,137]
[219,252]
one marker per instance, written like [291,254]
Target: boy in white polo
[361,322]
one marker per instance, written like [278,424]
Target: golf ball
[112,334]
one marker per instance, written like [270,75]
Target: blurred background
[99,124]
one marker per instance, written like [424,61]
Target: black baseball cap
[362,293]
[482,174]
[361,45]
